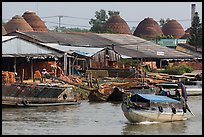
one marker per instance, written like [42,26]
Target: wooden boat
[27,104]
[115,94]
[96,96]
[153,108]
[29,95]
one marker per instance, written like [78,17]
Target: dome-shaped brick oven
[17,23]
[148,28]
[172,27]
[117,25]
[35,22]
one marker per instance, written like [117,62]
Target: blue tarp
[157,98]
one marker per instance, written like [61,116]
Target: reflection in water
[152,128]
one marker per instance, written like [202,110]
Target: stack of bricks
[8,77]
[5,77]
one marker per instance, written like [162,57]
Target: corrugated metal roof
[71,38]
[5,38]
[125,44]
[136,47]
[15,47]
[82,50]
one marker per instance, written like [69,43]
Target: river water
[93,119]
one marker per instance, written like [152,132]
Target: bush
[178,70]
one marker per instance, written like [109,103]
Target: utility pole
[37,8]
[59,23]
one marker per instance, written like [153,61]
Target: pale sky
[79,13]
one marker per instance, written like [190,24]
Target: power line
[67,24]
[66,17]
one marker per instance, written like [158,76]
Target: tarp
[157,98]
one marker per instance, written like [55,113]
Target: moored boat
[115,94]
[29,95]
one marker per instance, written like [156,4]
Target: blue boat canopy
[157,98]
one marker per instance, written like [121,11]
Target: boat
[153,108]
[115,94]
[96,96]
[27,104]
[193,88]
[29,95]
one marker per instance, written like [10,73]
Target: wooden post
[14,64]
[90,79]
[160,63]
[32,69]
[22,76]
[65,64]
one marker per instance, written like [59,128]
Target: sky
[78,14]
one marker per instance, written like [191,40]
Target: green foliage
[100,19]
[196,32]
[162,22]
[97,24]
[64,29]
[128,62]
[3,23]
[178,70]
[113,13]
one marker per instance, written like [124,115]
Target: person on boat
[183,90]
[177,93]
[164,93]
[44,75]
[168,93]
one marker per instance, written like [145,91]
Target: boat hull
[32,104]
[194,91]
[136,116]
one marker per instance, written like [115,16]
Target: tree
[162,21]
[113,13]
[3,23]
[196,32]
[101,18]
[97,24]
[64,29]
